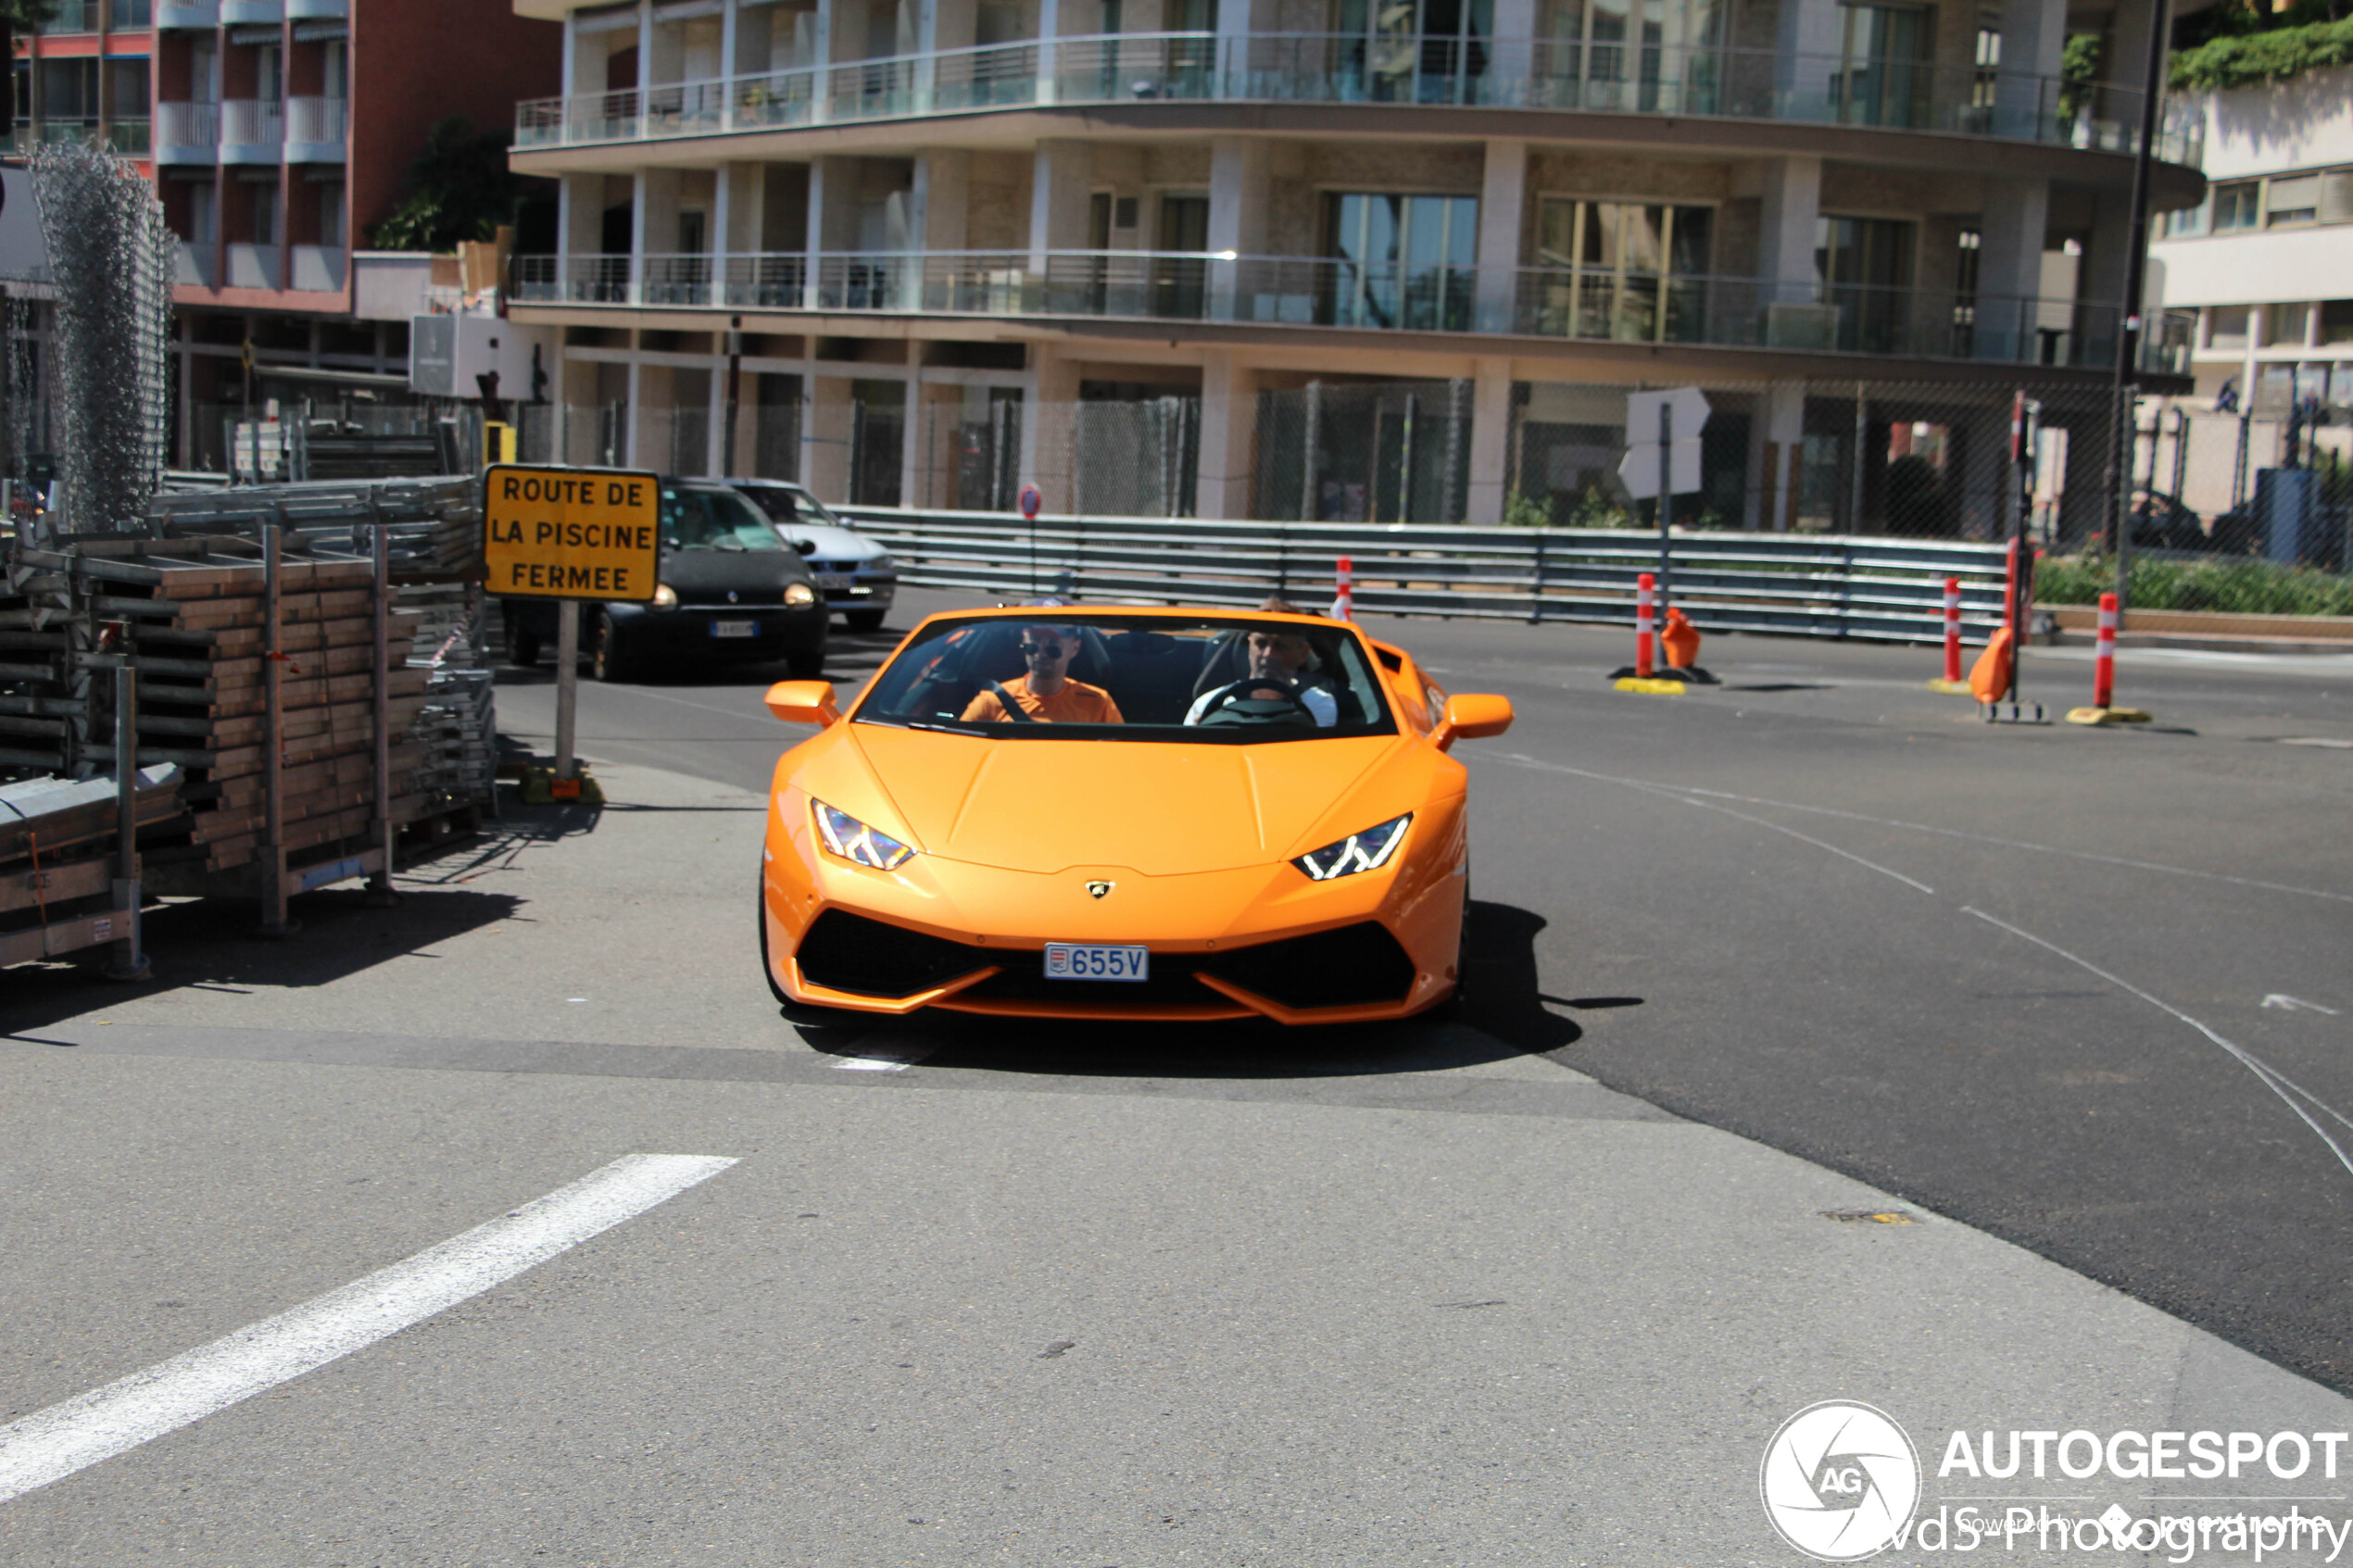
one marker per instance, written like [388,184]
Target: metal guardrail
[1816,585]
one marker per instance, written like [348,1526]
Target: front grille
[1354,965]
[868,958]
[716,598]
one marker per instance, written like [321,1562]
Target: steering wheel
[1285,710]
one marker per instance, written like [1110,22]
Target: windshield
[786,507]
[1098,675]
[695,518]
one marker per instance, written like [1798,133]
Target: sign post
[570,534]
[1032,502]
[1666,468]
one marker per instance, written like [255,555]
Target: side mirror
[803,702]
[806,546]
[1473,716]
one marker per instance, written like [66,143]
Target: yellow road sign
[571,534]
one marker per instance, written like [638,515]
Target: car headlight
[880,563]
[799,595]
[1365,851]
[665,596]
[845,835]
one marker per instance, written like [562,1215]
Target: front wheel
[611,662]
[525,648]
[863,620]
[796,1014]
[806,664]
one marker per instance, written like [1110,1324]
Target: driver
[1281,666]
[1046,694]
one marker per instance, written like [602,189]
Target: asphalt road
[2091,990]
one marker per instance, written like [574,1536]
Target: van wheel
[525,648]
[611,662]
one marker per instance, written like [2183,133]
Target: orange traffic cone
[1989,679]
[1680,640]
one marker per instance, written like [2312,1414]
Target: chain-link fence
[1928,461]
[2274,482]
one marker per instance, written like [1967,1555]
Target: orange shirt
[1075,703]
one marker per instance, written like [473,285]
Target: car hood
[833,544]
[692,571]
[1159,808]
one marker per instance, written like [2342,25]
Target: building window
[1402,261]
[1630,270]
[1882,76]
[1415,51]
[330,221]
[2293,202]
[2284,325]
[1863,268]
[2336,196]
[2238,206]
[2226,326]
[1610,55]
[2186,222]
[2337,323]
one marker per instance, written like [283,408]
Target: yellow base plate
[1651,687]
[2107,716]
[1942,684]
[539,788]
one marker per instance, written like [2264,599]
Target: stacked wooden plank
[57,842]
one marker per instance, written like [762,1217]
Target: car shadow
[1504,1015]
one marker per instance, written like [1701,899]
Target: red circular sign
[1032,503]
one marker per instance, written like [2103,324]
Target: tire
[863,620]
[806,664]
[611,660]
[523,648]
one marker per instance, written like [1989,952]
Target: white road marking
[1524,761]
[52,1444]
[2329,741]
[2291,1004]
[2268,1075]
[1842,854]
[875,1063]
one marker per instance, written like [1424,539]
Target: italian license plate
[835,582]
[735,627]
[1070,960]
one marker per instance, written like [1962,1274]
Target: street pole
[735,376]
[567,685]
[2122,424]
[1666,501]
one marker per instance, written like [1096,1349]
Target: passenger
[1046,694]
[1281,665]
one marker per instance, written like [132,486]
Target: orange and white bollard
[1645,586]
[2104,709]
[1344,601]
[1952,630]
[2104,656]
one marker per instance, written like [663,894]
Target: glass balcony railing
[1747,84]
[123,14]
[131,138]
[1312,291]
[74,15]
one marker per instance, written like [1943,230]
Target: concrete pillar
[832,219]
[1228,436]
[638,235]
[2026,92]
[1049,27]
[1058,193]
[1776,447]
[1511,58]
[826,438]
[2123,67]
[1807,40]
[943,185]
[1234,62]
[1791,204]
[716,457]
[1238,202]
[2099,282]
[2009,266]
[1491,455]
[1048,419]
[1502,202]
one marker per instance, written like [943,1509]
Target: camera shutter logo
[1840,1481]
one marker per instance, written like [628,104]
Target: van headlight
[799,595]
[845,835]
[1365,851]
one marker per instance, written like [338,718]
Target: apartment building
[1330,258]
[279,132]
[2266,260]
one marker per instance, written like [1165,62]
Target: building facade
[279,132]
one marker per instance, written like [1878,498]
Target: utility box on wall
[448,353]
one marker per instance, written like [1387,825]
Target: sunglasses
[1051,650]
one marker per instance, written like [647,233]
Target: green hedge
[2233,587]
[2252,59]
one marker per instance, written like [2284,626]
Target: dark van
[731,589]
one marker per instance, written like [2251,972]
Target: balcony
[131,138]
[1422,73]
[1586,305]
[194,267]
[236,11]
[253,267]
[187,132]
[315,129]
[252,131]
[131,15]
[204,14]
[317,10]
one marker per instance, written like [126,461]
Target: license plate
[1069,961]
[837,582]
[735,627]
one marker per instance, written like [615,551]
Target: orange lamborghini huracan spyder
[1124,813]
